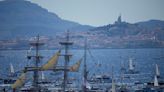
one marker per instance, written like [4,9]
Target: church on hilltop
[119,20]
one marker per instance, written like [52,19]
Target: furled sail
[156,81]
[157,71]
[42,76]
[76,66]
[20,81]
[86,84]
[113,89]
[131,67]
[11,69]
[52,62]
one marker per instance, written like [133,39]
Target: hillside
[121,34]
[19,18]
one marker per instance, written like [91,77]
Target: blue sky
[102,12]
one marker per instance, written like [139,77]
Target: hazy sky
[102,12]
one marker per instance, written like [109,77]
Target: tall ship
[21,84]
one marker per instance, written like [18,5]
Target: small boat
[11,77]
[157,85]
[95,83]
[123,88]
[113,89]
[12,71]
[131,69]
[100,79]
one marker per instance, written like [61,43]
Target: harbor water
[99,62]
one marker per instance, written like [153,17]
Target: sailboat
[158,80]
[42,76]
[12,68]
[123,69]
[85,84]
[10,79]
[42,80]
[113,89]
[95,82]
[12,71]
[131,66]
[102,78]
[157,85]
[116,87]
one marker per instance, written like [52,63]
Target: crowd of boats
[18,81]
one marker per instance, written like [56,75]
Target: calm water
[99,61]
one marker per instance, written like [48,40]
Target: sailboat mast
[37,57]
[112,73]
[122,72]
[67,43]
[113,81]
[85,66]
[36,65]
[66,62]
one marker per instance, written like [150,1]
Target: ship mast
[37,58]
[66,44]
[122,71]
[85,67]
[113,81]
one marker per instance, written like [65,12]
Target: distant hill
[19,18]
[125,29]
[151,24]
[127,35]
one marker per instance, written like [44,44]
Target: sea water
[99,61]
